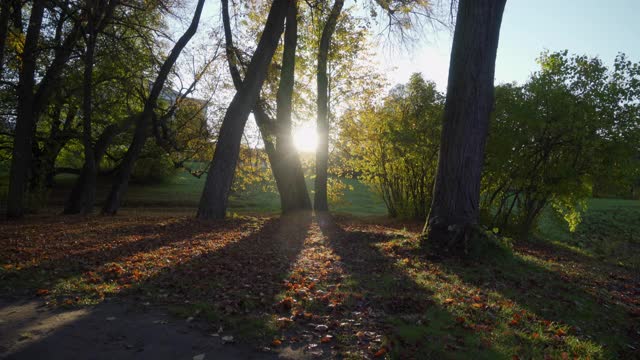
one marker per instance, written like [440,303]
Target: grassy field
[609,231]
[181,193]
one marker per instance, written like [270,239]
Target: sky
[592,27]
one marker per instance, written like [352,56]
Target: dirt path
[30,330]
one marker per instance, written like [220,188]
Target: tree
[276,135]
[455,207]
[320,202]
[143,122]
[571,127]
[98,14]
[291,185]
[26,121]
[213,203]
[393,146]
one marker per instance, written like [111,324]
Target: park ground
[154,282]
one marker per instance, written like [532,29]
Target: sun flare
[305,138]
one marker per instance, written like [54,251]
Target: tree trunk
[25,122]
[292,187]
[5,9]
[284,159]
[320,202]
[213,203]
[74,201]
[140,135]
[455,208]
[90,169]
[58,137]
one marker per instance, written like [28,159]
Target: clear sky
[591,27]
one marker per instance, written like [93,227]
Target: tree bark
[5,9]
[455,207]
[74,201]
[140,135]
[213,203]
[292,187]
[58,137]
[320,202]
[25,122]
[283,157]
[89,190]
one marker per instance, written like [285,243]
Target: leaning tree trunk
[292,187]
[320,202]
[455,208]
[213,203]
[140,134]
[26,121]
[284,159]
[264,122]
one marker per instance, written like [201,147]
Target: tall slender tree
[320,202]
[98,13]
[469,101]
[283,157]
[213,203]
[89,160]
[141,131]
[292,187]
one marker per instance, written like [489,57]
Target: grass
[181,193]
[370,285]
[609,231]
[558,295]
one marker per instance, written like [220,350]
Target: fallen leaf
[380,353]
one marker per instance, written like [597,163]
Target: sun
[305,138]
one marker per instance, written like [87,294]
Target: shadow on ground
[416,326]
[226,272]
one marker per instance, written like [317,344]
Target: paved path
[30,330]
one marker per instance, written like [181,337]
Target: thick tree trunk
[455,207]
[140,135]
[213,203]
[25,123]
[320,202]
[292,187]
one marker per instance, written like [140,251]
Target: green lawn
[182,192]
[610,230]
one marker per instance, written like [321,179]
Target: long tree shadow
[561,288]
[236,285]
[416,326]
[50,254]
[232,285]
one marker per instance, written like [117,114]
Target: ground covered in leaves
[331,288]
